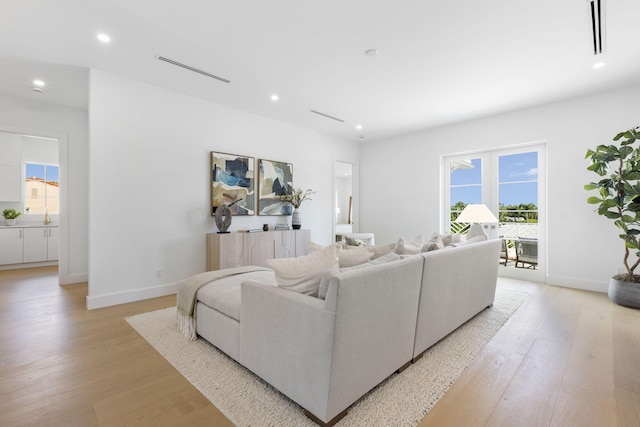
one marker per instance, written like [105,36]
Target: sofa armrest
[286,338]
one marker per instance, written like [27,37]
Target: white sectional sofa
[457,284]
[326,354]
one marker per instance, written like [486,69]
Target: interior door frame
[63,262]
[355,192]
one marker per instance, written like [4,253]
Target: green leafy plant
[296,196]
[619,191]
[11,213]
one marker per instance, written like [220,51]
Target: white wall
[583,248]
[70,127]
[149,182]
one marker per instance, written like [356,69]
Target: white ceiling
[438,62]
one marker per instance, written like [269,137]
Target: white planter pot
[8,221]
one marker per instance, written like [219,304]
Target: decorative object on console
[232,183]
[274,180]
[223,218]
[296,196]
[477,214]
[279,227]
[10,216]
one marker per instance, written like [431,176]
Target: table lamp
[477,214]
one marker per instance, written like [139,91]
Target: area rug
[401,400]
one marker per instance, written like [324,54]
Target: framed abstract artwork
[274,180]
[233,183]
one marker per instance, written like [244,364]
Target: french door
[511,183]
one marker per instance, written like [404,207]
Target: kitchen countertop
[29,225]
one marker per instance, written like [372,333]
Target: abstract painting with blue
[275,179]
[233,183]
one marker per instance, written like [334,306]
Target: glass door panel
[465,187]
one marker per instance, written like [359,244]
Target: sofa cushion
[302,274]
[409,247]
[223,294]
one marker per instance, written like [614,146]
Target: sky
[34,170]
[517,176]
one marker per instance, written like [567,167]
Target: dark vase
[296,220]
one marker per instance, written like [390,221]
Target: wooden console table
[241,248]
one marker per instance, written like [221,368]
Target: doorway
[344,199]
[38,193]
[511,182]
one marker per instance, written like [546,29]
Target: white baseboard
[70,279]
[28,265]
[571,282]
[116,298]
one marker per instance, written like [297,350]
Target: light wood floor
[566,358]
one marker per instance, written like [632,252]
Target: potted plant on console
[296,196]
[10,216]
[619,200]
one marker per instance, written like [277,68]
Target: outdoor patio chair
[507,251]
[527,253]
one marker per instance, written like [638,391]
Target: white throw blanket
[188,291]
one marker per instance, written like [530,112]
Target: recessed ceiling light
[359,127]
[104,38]
[598,65]
[274,97]
[38,83]
[371,52]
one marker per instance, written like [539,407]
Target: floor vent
[597,25]
[195,70]
[327,116]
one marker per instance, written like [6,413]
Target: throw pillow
[380,250]
[450,238]
[433,244]
[303,274]
[354,256]
[314,247]
[409,247]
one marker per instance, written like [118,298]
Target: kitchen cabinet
[11,245]
[40,244]
[20,245]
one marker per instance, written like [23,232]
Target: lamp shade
[479,214]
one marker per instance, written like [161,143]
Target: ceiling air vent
[597,25]
[327,116]
[195,70]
